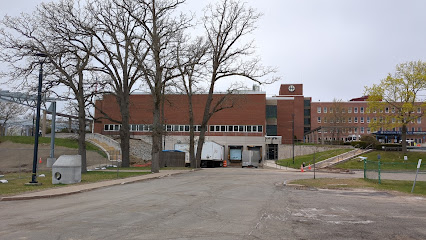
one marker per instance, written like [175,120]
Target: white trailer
[212,154]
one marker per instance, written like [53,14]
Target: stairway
[108,145]
[341,158]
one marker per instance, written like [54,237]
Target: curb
[124,181]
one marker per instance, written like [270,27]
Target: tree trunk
[81,132]
[156,139]
[123,102]
[192,159]
[157,130]
[206,118]
[404,138]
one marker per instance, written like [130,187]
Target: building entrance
[272,151]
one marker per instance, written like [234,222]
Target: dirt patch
[15,157]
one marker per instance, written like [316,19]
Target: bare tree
[191,61]
[116,36]
[8,111]
[227,24]
[54,30]
[162,29]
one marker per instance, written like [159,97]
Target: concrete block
[67,170]
[50,162]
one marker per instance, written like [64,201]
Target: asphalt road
[217,204]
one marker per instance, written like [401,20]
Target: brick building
[256,121]
[346,121]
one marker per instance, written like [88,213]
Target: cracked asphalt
[218,203]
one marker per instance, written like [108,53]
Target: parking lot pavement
[217,204]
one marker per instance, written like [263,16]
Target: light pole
[292,115]
[40,82]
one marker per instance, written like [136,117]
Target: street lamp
[292,115]
[41,56]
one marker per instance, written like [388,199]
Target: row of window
[362,130]
[361,119]
[236,128]
[148,128]
[361,110]
[344,130]
[185,128]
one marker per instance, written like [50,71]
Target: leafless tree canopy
[114,46]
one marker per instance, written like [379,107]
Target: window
[318,109]
[223,128]
[393,120]
[271,130]
[235,128]
[325,120]
[249,130]
[168,128]
[350,110]
[362,129]
[355,119]
[362,119]
[260,128]
[197,128]
[374,120]
[343,110]
[106,127]
[419,120]
[419,110]
[212,128]
[355,109]
[368,130]
[393,109]
[368,119]
[319,119]
[241,128]
[230,128]
[386,110]
[182,128]
[349,120]
[361,109]
[271,111]
[325,110]
[331,110]
[355,130]
[254,128]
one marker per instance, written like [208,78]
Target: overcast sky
[333,47]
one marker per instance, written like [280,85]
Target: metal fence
[375,169]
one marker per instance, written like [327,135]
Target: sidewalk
[72,189]
[271,164]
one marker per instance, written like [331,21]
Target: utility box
[67,170]
[251,158]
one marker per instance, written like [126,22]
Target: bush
[370,140]
[359,144]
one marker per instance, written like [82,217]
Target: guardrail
[103,138]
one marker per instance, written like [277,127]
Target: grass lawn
[64,142]
[16,181]
[387,185]
[390,160]
[309,159]
[149,168]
